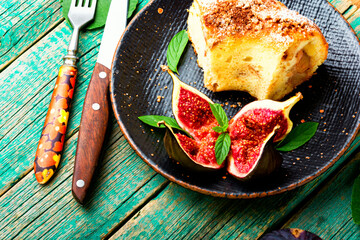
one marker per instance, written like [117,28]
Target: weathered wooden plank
[354,20]
[350,11]
[140,5]
[328,214]
[23,23]
[35,73]
[341,5]
[124,183]
[180,213]
[61,214]
[31,211]
[36,69]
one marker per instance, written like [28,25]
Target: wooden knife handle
[94,121]
[52,138]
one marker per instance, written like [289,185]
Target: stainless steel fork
[79,15]
[52,138]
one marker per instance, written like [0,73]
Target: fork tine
[73,3]
[86,3]
[93,4]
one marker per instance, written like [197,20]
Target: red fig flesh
[192,111]
[252,132]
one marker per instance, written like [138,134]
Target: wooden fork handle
[52,138]
[94,121]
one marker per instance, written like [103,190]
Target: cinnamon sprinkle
[255,18]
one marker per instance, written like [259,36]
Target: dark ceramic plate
[331,98]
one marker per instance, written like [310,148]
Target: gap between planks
[136,210]
[334,197]
[69,136]
[348,14]
[43,34]
[317,191]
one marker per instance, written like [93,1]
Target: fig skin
[269,159]
[176,152]
[268,162]
[290,234]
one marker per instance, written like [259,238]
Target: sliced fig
[185,150]
[254,160]
[191,108]
[192,111]
[252,132]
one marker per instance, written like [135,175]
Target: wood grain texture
[124,183]
[341,5]
[93,125]
[180,213]
[22,23]
[30,211]
[328,213]
[23,118]
[350,10]
[355,21]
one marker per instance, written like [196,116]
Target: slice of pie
[257,46]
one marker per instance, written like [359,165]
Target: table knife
[95,115]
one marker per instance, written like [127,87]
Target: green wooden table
[129,200]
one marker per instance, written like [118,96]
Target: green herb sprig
[153,120]
[223,143]
[300,135]
[175,49]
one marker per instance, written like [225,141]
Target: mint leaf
[298,136]
[153,120]
[175,49]
[102,8]
[132,7]
[222,147]
[218,129]
[355,201]
[219,114]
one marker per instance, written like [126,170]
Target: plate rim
[196,188]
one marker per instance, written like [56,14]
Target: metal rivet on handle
[102,74]
[96,106]
[80,183]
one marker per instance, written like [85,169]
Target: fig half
[192,112]
[253,131]
[259,161]
[184,150]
